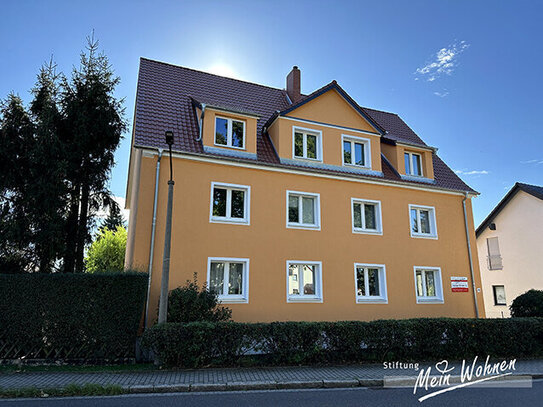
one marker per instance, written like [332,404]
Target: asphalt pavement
[469,396]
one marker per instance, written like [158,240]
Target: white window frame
[411,154]
[438,281]
[378,217]
[305,131]
[382,298]
[317,210]
[231,298]
[433,222]
[229,132]
[298,298]
[367,150]
[228,219]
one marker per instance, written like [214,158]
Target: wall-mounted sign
[459,284]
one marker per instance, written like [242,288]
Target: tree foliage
[56,157]
[529,304]
[114,218]
[192,303]
[106,253]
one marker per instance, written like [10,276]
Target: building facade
[510,246]
[296,207]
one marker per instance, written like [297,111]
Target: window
[356,151]
[229,203]
[428,285]
[423,221]
[366,216]
[304,281]
[494,258]
[370,283]
[307,144]
[229,278]
[229,132]
[303,210]
[413,164]
[499,295]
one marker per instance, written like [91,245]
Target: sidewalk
[232,378]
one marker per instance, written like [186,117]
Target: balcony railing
[495,262]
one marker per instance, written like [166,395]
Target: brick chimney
[294,85]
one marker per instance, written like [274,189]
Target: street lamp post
[163,304]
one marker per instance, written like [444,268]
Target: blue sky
[465,75]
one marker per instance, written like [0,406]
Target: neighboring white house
[510,246]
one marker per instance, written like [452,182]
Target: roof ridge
[211,74]
[378,110]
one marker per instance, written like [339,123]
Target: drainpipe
[469,255]
[201,121]
[153,228]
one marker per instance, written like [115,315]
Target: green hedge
[70,316]
[200,344]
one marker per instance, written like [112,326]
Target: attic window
[307,144]
[229,132]
[413,164]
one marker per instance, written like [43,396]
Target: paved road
[480,397]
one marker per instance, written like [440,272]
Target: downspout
[201,122]
[469,255]
[153,229]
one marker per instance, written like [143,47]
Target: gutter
[470,257]
[153,230]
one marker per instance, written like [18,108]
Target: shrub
[106,253]
[191,303]
[529,304]
[70,316]
[200,344]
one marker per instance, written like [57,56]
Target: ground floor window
[370,283]
[499,295]
[228,278]
[304,281]
[428,284]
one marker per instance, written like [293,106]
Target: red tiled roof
[164,101]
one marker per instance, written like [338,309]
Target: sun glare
[222,69]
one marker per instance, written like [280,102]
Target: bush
[529,304]
[200,344]
[106,253]
[191,303]
[70,316]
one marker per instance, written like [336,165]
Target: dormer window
[229,132]
[356,151]
[307,144]
[413,164]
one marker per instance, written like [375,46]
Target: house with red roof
[293,206]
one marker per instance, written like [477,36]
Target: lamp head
[169,137]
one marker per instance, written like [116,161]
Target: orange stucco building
[296,207]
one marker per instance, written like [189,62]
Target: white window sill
[364,167]
[230,221]
[226,146]
[302,226]
[371,300]
[429,300]
[311,160]
[368,231]
[424,236]
[304,298]
[232,300]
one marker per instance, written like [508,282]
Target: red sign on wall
[459,284]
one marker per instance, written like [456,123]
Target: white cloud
[472,172]
[444,63]
[532,162]
[443,94]
[102,214]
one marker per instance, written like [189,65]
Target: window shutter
[494,257]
